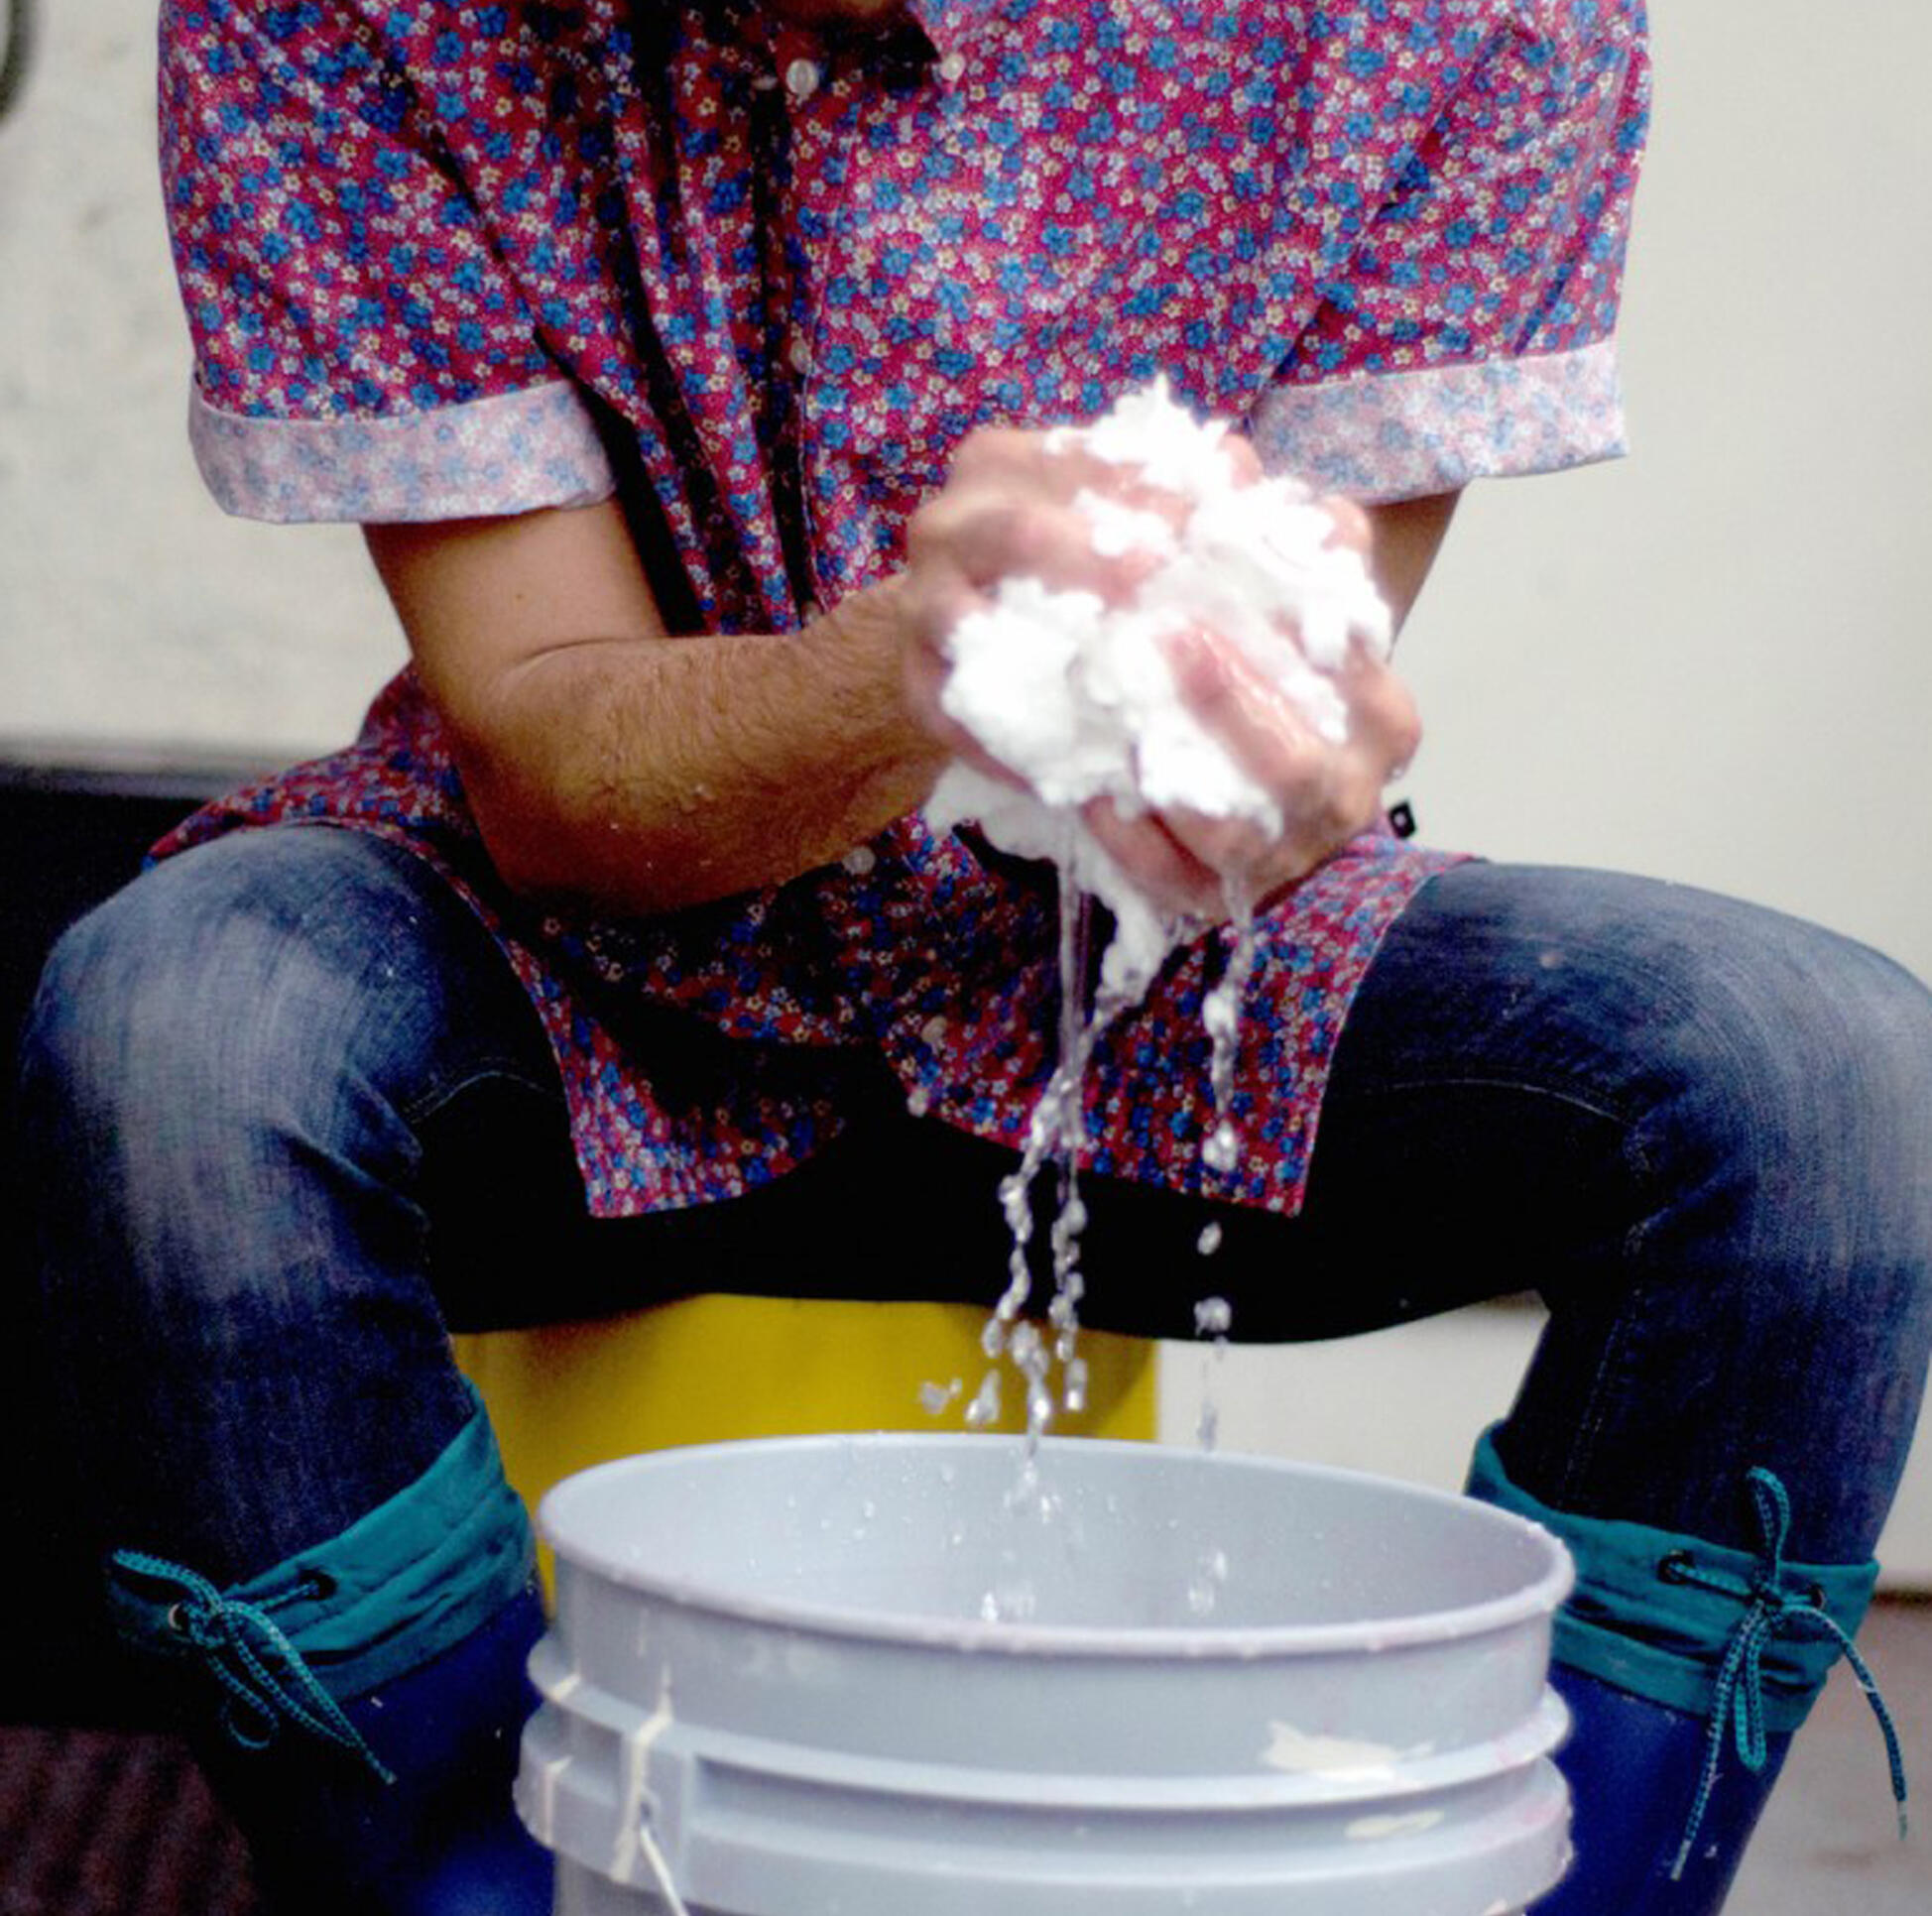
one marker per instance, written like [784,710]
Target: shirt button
[801,78]
[952,67]
[798,353]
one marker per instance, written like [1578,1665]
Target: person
[692,368]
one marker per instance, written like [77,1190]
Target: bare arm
[608,763]
[1404,539]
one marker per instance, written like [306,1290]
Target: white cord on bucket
[634,1836]
[661,1869]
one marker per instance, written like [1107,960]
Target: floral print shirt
[444,258]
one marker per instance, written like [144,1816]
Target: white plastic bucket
[876,1676]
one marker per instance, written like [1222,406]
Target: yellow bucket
[565,1396]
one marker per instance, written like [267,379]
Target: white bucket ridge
[770,1689]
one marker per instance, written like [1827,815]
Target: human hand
[1325,790]
[1010,511]
[1007,511]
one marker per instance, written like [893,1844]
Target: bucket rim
[1199,1642]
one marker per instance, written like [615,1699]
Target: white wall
[132,613]
[1704,663]
[1710,662]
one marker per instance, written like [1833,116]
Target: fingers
[1352,527]
[1159,864]
[1007,511]
[1012,507]
[1326,792]
[972,538]
[1244,461]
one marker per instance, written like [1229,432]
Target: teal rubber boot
[1687,1667]
[359,1708]
[430,1832]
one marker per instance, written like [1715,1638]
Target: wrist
[871,643]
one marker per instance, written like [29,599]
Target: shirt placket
[805,101]
[835,90]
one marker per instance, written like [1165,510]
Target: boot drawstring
[1737,1701]
[245,1651]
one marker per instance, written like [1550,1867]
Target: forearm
[609,763]
[1406,535]
[646,775]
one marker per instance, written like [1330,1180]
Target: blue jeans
[294,1120]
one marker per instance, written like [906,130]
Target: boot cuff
[1657,1615]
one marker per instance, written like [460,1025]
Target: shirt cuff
[1398,435]
[511,453]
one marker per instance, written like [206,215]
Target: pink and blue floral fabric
[442,260]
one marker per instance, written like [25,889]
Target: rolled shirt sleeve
[360,350]
[1466,329]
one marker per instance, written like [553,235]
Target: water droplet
[934,1397]
[985,1407]
[1208,1430]
[1076,1385]
[1221,1151]
[1009,1602]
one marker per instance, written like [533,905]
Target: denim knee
[217,1089]
[1744,1276]
[1794,1238]
[211,988]
[212,1038]
[1804,1082]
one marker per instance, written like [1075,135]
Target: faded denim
[293,1120]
